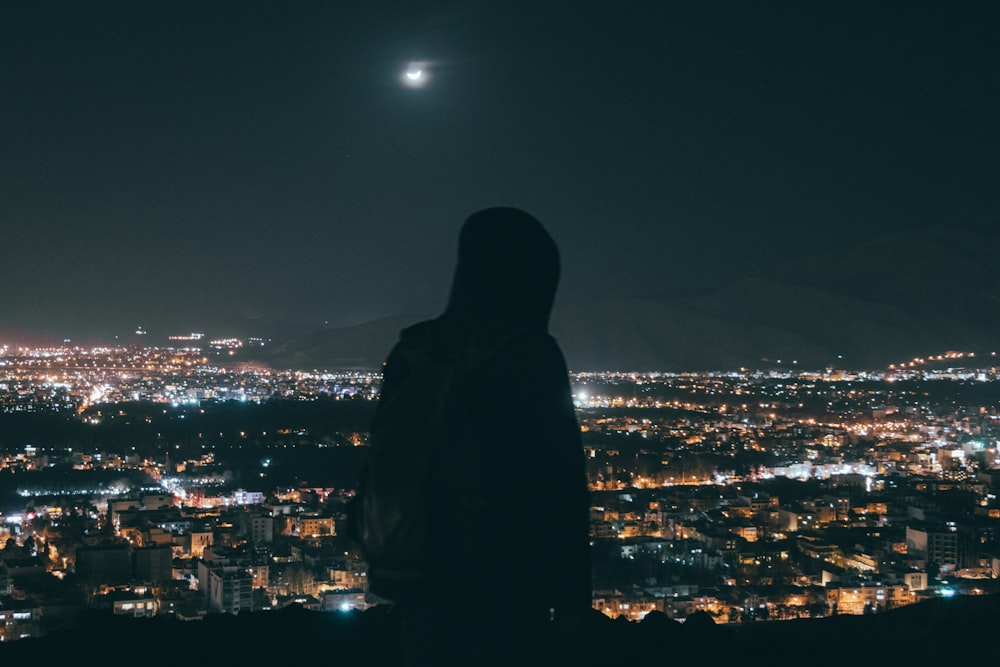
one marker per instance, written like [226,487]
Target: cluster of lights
[947,356]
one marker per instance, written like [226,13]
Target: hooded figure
[509,565]
[507,271]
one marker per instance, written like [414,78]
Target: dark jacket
[518,538]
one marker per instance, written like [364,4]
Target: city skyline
[730,498]
[196,163]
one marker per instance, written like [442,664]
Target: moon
[415,75]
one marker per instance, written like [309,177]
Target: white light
[415,75]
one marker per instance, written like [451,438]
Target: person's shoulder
[410,340]
[425,338]
[416,332]
[536,339]
[531,347]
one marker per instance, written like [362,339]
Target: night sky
[177,165]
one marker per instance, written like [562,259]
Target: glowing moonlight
[415,75]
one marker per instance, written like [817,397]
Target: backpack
[389,514]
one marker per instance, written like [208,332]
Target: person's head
[507,270]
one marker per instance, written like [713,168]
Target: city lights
[683,469]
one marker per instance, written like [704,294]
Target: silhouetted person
[508,567]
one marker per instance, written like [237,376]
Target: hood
[507,271]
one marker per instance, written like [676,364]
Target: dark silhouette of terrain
[939,631]
[865,306]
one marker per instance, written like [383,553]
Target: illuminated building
[868,598]
[937,544]
[19,620]
[227,588]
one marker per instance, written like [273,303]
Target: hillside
[940,631]
[877,303]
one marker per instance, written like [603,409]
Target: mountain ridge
[864,307]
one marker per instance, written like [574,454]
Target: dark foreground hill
[953,631]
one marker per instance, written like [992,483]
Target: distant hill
[360,347]
[879,302]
